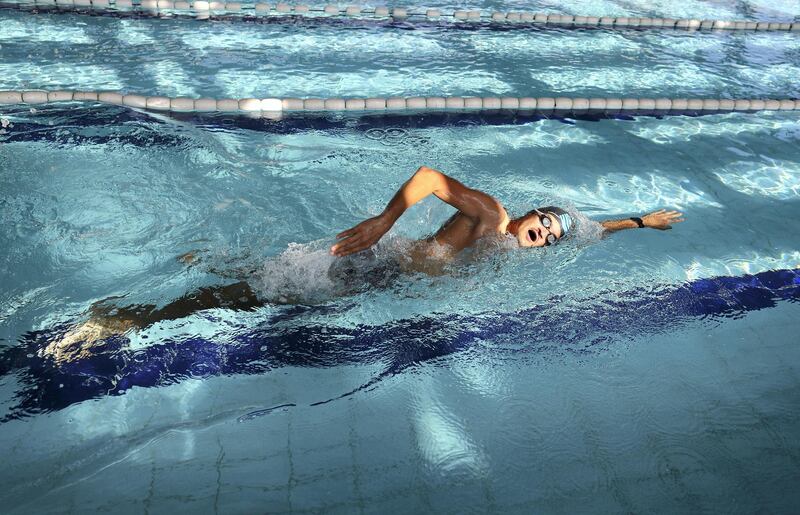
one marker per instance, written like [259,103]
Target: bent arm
[475,205]
[660,220]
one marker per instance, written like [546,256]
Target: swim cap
[563,217]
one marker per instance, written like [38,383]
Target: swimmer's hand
[362,236]
[662,219]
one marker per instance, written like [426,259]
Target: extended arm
[657,220]
[474,204]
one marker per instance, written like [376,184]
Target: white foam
[298,274]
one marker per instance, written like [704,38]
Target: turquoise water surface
[645,372]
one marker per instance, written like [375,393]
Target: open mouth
[532,235]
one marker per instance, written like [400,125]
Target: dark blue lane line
[113,368]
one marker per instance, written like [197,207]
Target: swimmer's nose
[544,234]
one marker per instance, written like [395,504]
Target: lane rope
[274,107]
[203,9]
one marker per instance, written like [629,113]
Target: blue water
[645,372]
[306,58]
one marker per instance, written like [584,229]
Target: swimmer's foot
[79,341]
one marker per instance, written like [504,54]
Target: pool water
[644,372]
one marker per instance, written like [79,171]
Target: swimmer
[479,216]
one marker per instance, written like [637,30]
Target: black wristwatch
[638,221]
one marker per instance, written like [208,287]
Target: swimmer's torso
[456,234]
[460,232]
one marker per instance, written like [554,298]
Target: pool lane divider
[275,107]
[203,9]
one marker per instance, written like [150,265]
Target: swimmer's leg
[108,320]
[237,296]
[237,273]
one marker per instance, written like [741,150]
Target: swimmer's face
[538,229]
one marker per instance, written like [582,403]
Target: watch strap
[638,221]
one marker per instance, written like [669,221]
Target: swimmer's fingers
[346,238]
[347,233]
[366,226]
[356,243]
[352,248]
[662,219]
[673,217]
[346,246]
[361,236]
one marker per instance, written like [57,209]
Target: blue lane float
[113,368]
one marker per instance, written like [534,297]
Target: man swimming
[479,216]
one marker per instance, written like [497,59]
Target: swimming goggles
[546,223]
